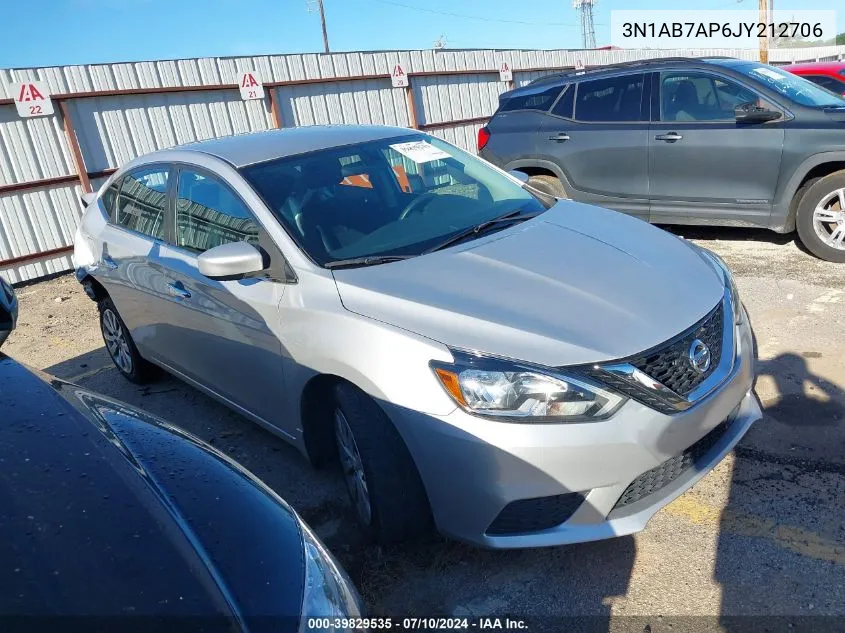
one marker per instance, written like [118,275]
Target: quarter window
[209,214]
[538,99]
[142,202]
[109,198]
[612,99]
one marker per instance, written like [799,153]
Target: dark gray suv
[684,141]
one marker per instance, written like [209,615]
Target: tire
[121,347]
[822,196]
[398,508]
[548,185]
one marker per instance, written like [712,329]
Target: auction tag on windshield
[766,72]
[420,151]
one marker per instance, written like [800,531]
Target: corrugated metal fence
[107,114]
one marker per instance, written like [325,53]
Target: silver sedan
[513,369]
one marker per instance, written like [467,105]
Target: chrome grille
[669,364]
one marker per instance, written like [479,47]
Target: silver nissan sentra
[514,369]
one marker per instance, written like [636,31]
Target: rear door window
[142,202]
[614,99]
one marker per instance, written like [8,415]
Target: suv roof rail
[629,64]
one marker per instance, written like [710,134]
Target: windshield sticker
[769,73]
[420,151]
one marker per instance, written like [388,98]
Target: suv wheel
[821,218]
[548,184]
[120,345]
[386,490]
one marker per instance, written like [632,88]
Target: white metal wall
[112,130]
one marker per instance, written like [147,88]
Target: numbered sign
[579,64]
[505,72]
[399,77]
[251,86]
[32,98]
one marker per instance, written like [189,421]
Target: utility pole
[326,33]
[764,41]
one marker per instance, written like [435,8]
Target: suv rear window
[536,100]
[611,99]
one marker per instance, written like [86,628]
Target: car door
[597,134]
[703,165]
[130,268]
[220,333]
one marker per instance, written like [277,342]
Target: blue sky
[88,31]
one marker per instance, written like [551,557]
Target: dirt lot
[763,534]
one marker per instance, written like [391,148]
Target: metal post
[323,22]
[274,108]
[764,41]
[412,104]
[75,151]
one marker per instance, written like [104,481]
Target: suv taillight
[483,137]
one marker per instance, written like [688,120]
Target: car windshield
[792,86]
[397,196]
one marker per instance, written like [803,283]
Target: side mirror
[87,197]
[232,260]
[521,176]
[752,113]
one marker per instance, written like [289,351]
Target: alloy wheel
[353,467]
[116,342]
[829,219]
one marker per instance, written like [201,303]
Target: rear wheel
[120,345]
[385,488]
[548,185]
[821,218]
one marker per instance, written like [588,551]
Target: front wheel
[548,185]
[821,218]
[383,483]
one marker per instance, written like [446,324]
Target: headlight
[328,593]
[728,277]
[503,389]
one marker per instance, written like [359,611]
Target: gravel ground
[763,534]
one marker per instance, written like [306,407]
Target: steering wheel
[417,205]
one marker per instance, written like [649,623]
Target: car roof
[644,65]
[831,67]
[246,149]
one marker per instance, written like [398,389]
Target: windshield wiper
[510,216]
[371,260]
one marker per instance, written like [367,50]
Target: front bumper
[473,468]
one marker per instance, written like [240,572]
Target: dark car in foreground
[830,75]
[684,141]
[111,519]
[8,309]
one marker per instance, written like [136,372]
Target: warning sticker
[420,151]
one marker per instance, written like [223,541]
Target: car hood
[108,511]
[578,284]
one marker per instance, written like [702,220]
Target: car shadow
[782,523]
[731,234]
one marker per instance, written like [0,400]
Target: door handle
[560,138]
[671,137]
[109,263]
[176,289]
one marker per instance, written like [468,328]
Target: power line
[475,17]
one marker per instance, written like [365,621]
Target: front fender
[783,210]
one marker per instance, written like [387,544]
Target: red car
[830,75]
